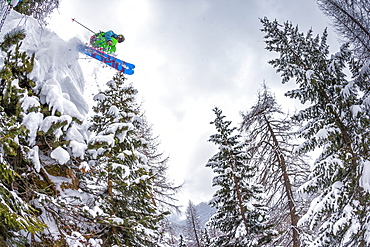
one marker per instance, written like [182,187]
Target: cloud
[198,177]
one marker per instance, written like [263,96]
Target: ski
[110,57]
[118,64]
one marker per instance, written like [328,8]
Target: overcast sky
[190,56]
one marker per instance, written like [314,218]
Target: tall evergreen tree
[125,207]
[337,121]
[37,136]
[351,21]
[239,215]
[16,214]
[269,139]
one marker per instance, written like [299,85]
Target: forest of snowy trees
[102,181]
[270,193]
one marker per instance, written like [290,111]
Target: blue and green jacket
[102,38]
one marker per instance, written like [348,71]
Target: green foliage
[336,121]
[122,179]
[240,217]
[17,66]
[11,38]
[16,87]
[15,212]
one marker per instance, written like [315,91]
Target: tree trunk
[240,199]
[287,186]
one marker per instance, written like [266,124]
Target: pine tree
[37,131]
[193,226]
[122,181]
[351,21]
[239,215]
[269,139]
[16,214]
[337,121]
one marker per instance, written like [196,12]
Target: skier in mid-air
[102,44]
[106,41]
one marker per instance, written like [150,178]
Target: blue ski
[118,64]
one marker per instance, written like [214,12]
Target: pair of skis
[118,64]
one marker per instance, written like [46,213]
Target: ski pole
[73,19]
[6,10]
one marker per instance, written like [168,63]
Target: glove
[109,42]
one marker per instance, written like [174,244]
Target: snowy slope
[57,72]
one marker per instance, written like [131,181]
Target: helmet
[120,38]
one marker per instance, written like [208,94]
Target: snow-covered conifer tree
[336,120]
[41,151]
[239,216]
[121,178]
[16,214]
